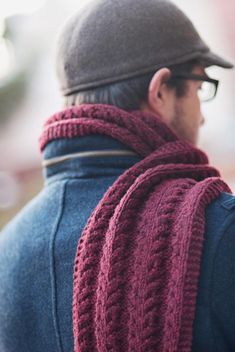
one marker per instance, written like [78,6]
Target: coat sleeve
[223,286]
[214,324]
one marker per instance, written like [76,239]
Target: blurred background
[29,93]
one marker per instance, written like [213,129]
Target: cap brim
[211,59]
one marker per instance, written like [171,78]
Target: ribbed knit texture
[138,261]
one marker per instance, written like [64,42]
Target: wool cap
[107,41]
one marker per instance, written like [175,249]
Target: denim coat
[38,247]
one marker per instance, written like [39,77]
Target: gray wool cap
[107,41]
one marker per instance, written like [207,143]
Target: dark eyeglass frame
[193,77]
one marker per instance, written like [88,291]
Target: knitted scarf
[138,260]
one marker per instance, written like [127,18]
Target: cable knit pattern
[137,263]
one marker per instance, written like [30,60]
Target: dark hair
[130,93]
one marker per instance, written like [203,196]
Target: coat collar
[88,156]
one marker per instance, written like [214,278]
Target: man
[122,152]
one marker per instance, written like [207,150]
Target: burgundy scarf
[138,260]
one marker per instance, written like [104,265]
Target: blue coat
[37,251]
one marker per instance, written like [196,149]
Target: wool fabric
[137,263]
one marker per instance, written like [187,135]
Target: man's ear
[158,93]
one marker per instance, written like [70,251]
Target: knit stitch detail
[137,264]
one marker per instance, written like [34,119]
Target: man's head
[128,53]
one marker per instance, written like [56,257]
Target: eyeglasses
[208,88]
